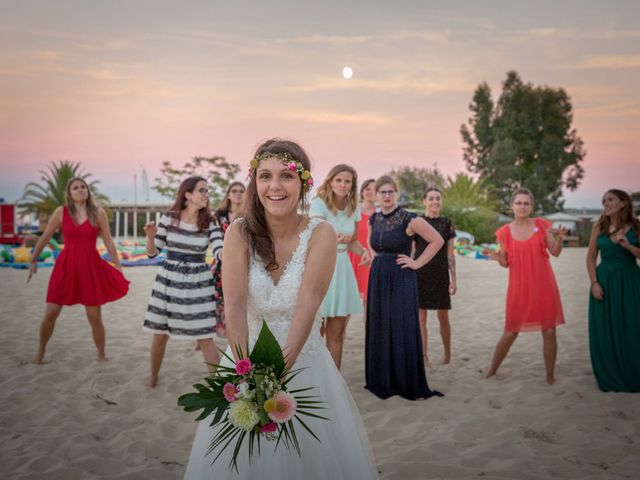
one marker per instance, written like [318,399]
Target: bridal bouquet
[250,401]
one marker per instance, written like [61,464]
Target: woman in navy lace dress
[393,349]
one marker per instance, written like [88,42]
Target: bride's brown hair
[256,228]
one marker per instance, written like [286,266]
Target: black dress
[433,278]
[394,364]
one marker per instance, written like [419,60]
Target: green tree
[472,206]
[217,170]
[413,181]
[44,197]
[525,140]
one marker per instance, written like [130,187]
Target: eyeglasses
[204,191]
[236,191]
[386,193]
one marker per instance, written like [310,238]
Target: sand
[76,418]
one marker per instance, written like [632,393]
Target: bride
[277,266]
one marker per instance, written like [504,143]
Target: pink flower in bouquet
[292,166]
[269,428]
[230,391]
[243,366]
[284,406]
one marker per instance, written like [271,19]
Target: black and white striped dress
[182,303]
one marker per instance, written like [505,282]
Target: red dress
[533,299]
[362,272]
[79,274]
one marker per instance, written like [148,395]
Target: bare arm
[592,258]
[52,226]
[420,227]
[500,256]
[555,244]
[105,233]
[354,246]
[451,258]
[235,284]
[321,259]
[622,240]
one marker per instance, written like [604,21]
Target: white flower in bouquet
[244,415]
[244,391]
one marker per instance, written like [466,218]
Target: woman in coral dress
[79,276]
[533,299]
[368,208]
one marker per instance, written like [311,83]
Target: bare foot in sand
[551,380]
[153,381]
[102,358]
[38,359]
[446,360]
[427,362]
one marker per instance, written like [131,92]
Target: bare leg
[549,351]
[158,347]
[445,333]
[502,348]
[94,315]
[334,332]
[422,315]
[210,353]
[51,313]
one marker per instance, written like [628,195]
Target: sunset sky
[121,85]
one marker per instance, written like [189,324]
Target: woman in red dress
[368,199]
[533,300]
[79,275]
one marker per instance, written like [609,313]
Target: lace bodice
[275,303]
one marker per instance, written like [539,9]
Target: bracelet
[594,282]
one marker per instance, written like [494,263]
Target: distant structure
[128,219]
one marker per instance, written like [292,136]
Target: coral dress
[533,299]
[361,271]
[79,274]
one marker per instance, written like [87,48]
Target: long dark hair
[204,214]
[225,205]
[92,208]
[256,228]
[625,215]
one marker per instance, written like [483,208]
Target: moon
[347,72]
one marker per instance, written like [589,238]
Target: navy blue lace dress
[394,363]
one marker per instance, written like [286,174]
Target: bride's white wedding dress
[343,451]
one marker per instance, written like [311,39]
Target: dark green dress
[614,322]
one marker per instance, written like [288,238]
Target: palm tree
[472,205]
[464,191]
[42,199]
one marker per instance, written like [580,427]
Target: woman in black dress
[393,350]
[437,279]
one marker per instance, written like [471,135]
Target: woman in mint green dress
[614,303]
[337,202]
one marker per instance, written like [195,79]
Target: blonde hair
[325,192]
[92,209]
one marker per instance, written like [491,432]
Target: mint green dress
[614,321]
[343,297]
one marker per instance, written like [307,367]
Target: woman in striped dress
[182,304]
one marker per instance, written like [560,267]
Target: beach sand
[76,418]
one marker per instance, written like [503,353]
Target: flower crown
[289,162]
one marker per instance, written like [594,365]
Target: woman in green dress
[614,303]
